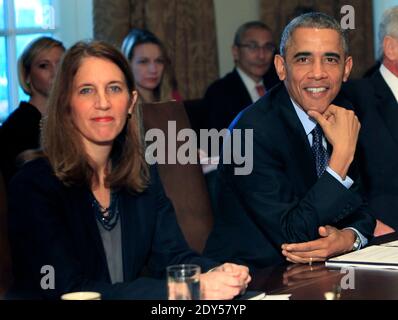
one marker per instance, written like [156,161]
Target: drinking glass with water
[183,282]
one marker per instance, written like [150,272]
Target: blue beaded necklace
[109,216]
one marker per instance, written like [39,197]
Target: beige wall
[230,14]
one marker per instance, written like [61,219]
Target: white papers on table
[390,244]
[264,296]
[374,257]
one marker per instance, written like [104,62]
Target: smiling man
[301,203]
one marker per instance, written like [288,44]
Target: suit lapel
[128,210]
[86,210]
[300,147]
[386,104]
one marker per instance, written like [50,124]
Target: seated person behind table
[375,100]
[253,51]
[89,206]
[299,203]
[37,66]
[151,66]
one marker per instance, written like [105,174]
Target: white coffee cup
[82,295]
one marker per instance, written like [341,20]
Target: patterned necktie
[320,154]
[260,90]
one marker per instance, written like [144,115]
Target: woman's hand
[224,282]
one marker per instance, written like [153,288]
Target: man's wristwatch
[357,243]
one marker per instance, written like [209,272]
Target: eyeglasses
[254,47]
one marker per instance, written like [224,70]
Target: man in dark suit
[253,52]
[376,102]
[300,203]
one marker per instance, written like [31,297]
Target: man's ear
[235,52]
[347,68]
[279,62]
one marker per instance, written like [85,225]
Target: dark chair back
[197,113]
[184,183]
[5,258]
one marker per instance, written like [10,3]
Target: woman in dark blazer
[37,66]
[88,214]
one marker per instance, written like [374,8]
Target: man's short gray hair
[388,27]
[316,20]
[246,26]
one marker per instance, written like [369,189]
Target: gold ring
[310,263]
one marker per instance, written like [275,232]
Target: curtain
[111,20]
[278,13]
[186,27]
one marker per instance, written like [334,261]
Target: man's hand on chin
[341,128]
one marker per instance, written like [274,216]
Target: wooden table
[306,282]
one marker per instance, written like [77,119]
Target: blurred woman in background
[151,66]
[21,131]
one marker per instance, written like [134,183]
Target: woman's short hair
[62,143]
[142,36]
[32,50]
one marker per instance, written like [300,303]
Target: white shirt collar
[250,84]
[305,119]
[391,80]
